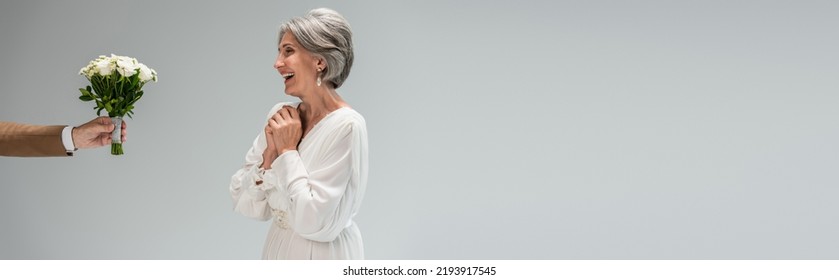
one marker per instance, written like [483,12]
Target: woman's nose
[278,63]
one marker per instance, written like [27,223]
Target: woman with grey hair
[307,170]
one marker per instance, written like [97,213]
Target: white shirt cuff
[67,139]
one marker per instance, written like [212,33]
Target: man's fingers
[103,127]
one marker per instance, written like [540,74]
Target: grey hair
[327,35]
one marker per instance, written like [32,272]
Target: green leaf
[86,98]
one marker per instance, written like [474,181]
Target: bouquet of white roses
[116,83]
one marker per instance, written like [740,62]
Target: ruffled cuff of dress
[241,180]
[256,183]
[269,180]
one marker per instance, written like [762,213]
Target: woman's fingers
[274,122]
[294,114]
[284,119]
[285,112]
[284,129]
[268,129]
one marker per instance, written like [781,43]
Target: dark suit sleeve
[23,140]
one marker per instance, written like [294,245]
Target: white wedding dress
[311,194]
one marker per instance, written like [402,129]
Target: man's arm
[24,140]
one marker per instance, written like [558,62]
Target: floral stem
[116,148]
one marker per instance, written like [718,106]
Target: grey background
[498,130]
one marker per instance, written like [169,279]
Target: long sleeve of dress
[249,198]
[322,201]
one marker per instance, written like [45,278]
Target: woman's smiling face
[296,65]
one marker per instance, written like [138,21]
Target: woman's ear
[320,64]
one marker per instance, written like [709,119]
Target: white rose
[104,66]
[126,66]
[146,73]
